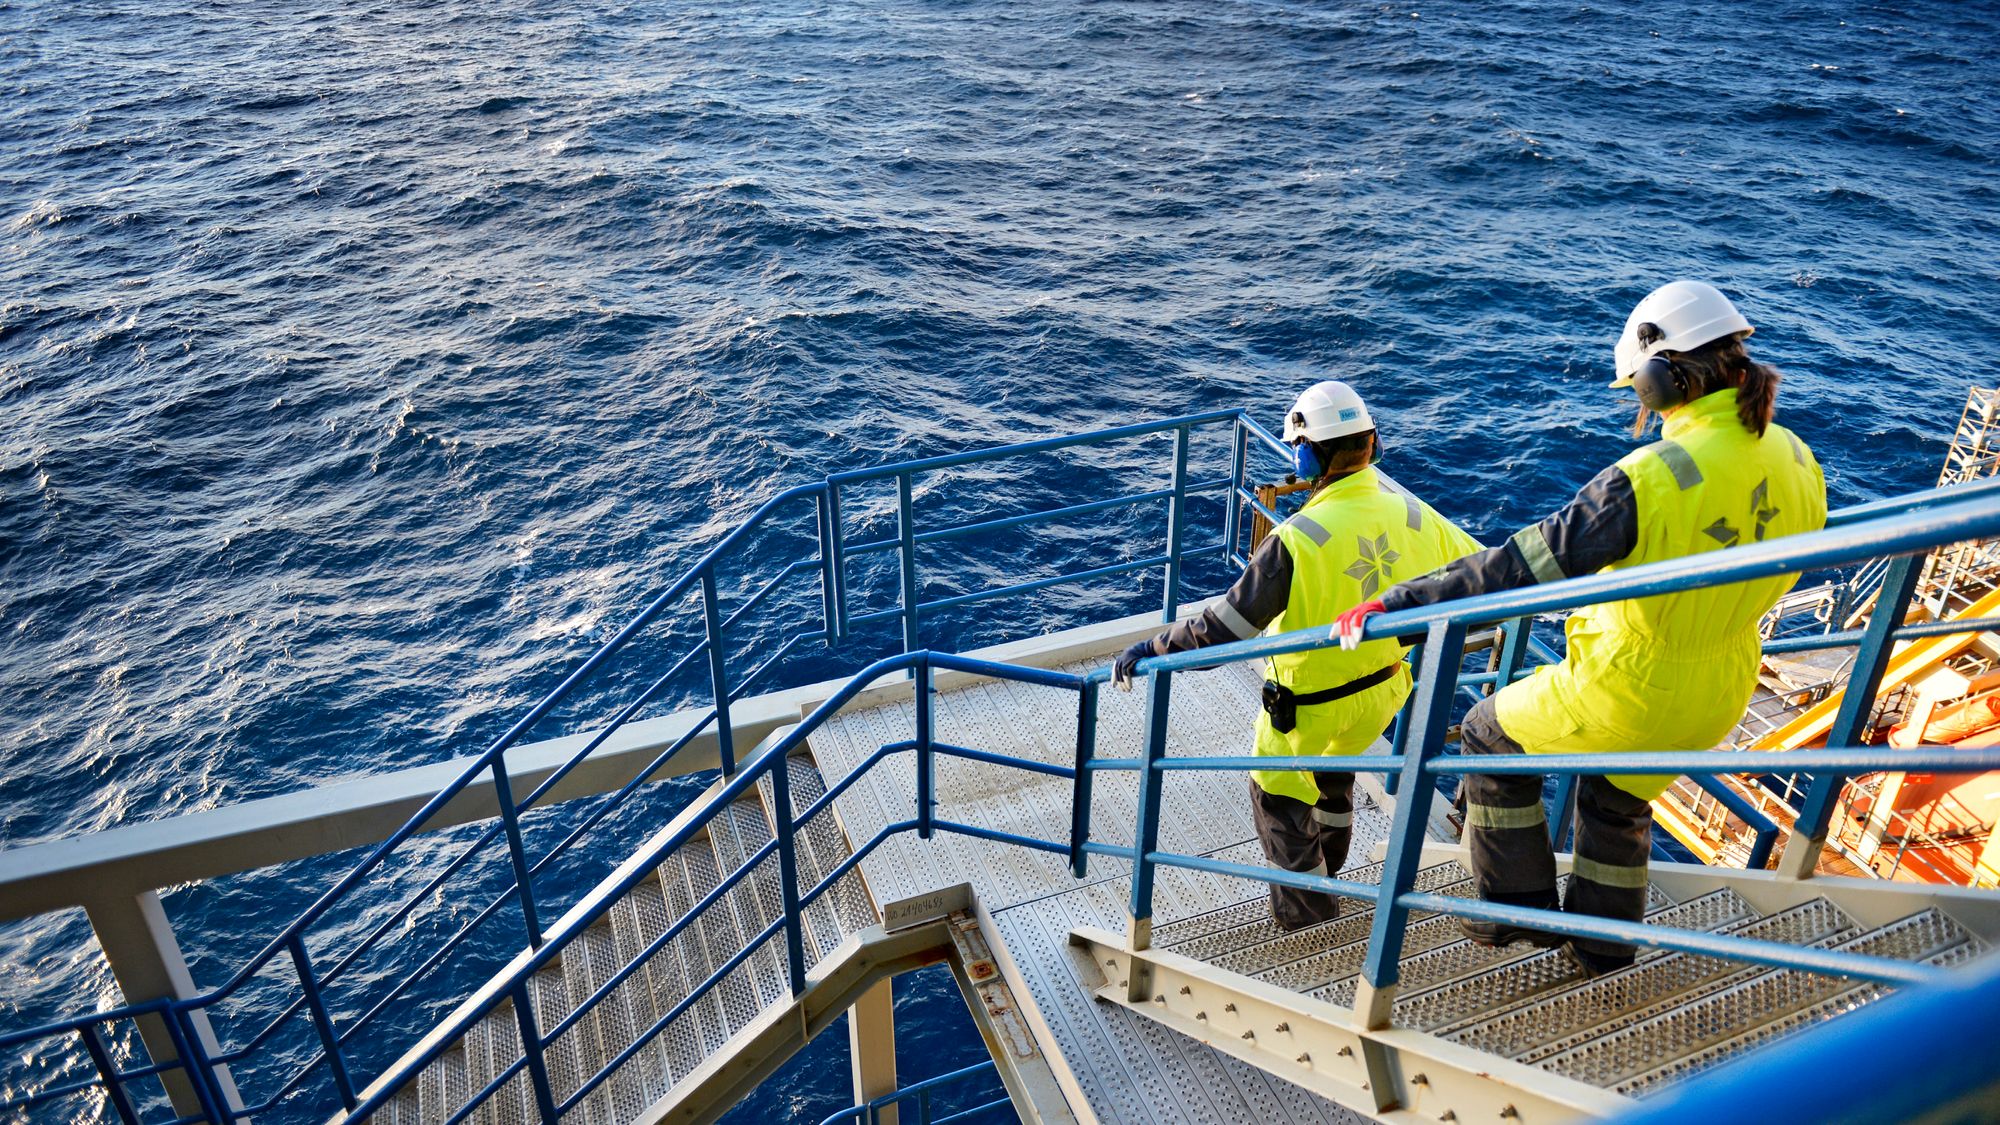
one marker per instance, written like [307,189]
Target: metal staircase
[738,836]
[1669,1016]
[741,928]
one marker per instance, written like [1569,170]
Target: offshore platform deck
[1081,859]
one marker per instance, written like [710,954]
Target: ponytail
[1756,395]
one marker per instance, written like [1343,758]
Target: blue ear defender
[1304,461]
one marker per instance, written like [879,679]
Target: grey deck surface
[1127,1068]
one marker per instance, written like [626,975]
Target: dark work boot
[1596,964]
[1504,933]
[1500,933]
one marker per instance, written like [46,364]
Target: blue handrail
[1906,524]
[870,1113]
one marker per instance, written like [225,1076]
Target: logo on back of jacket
[1727,534]
[1376,564]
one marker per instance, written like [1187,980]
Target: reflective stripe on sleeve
[1311,530]
[1416,512]
[1238,625]
[1609,874]
[1679,462]
[1534,548]
[1334,819]
[1500,816]
[1798,447]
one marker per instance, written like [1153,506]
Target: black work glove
[1121,668]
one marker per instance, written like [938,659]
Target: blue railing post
[1400,727]
[1232,516]
[718,672]
[194,1062]
[1565,810]
[121,1100]
[788,874]
[503,792]
[1430,713]
[1857,704]
[1176,525]
[1146,832]
[926,755]
[906,529]
[836,550]
[531,1051]
[329,1040]
[829,582]
[1086,749]
[1513,650]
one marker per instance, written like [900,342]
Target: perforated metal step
[735,995]
[668,976]
[845,906]
[1565,1016]
[1697,1034]
[1435,950]
[493,1045]
[1245,939]
[1545,971]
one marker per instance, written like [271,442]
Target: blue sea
[364,366]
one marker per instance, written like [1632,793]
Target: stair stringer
[1323,1047]
[781,1030]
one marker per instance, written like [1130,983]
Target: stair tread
[1846,1000]
[1565,1016]
[1704,1027]
[682,1042]
[1436,951]
[843,907]
[737,831]
[491,1046]
[1329,972]
[735,994]
[1426,1007]
[589,962]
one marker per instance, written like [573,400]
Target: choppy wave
[364,366]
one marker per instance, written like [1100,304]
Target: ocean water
[363,367]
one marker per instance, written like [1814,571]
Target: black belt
[1282,703]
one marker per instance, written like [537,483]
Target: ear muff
[1305,462]
[1660,384]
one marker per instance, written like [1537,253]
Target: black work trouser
[1308,838]
[1513,860]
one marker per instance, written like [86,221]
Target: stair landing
[1120,1067]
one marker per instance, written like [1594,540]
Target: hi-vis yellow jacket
[1674,671]
[1350,542]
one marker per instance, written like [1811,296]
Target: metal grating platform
[1126,1068]
[1201,812]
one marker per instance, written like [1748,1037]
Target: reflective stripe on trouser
[1507,836]
[1307,838]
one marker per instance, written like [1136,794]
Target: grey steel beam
[125,861]
[145,959]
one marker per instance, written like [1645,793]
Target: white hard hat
[1687,314]
[1325,411]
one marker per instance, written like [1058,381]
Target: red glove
[1347,627]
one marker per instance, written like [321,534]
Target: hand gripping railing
[1905,531]
[829,562]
